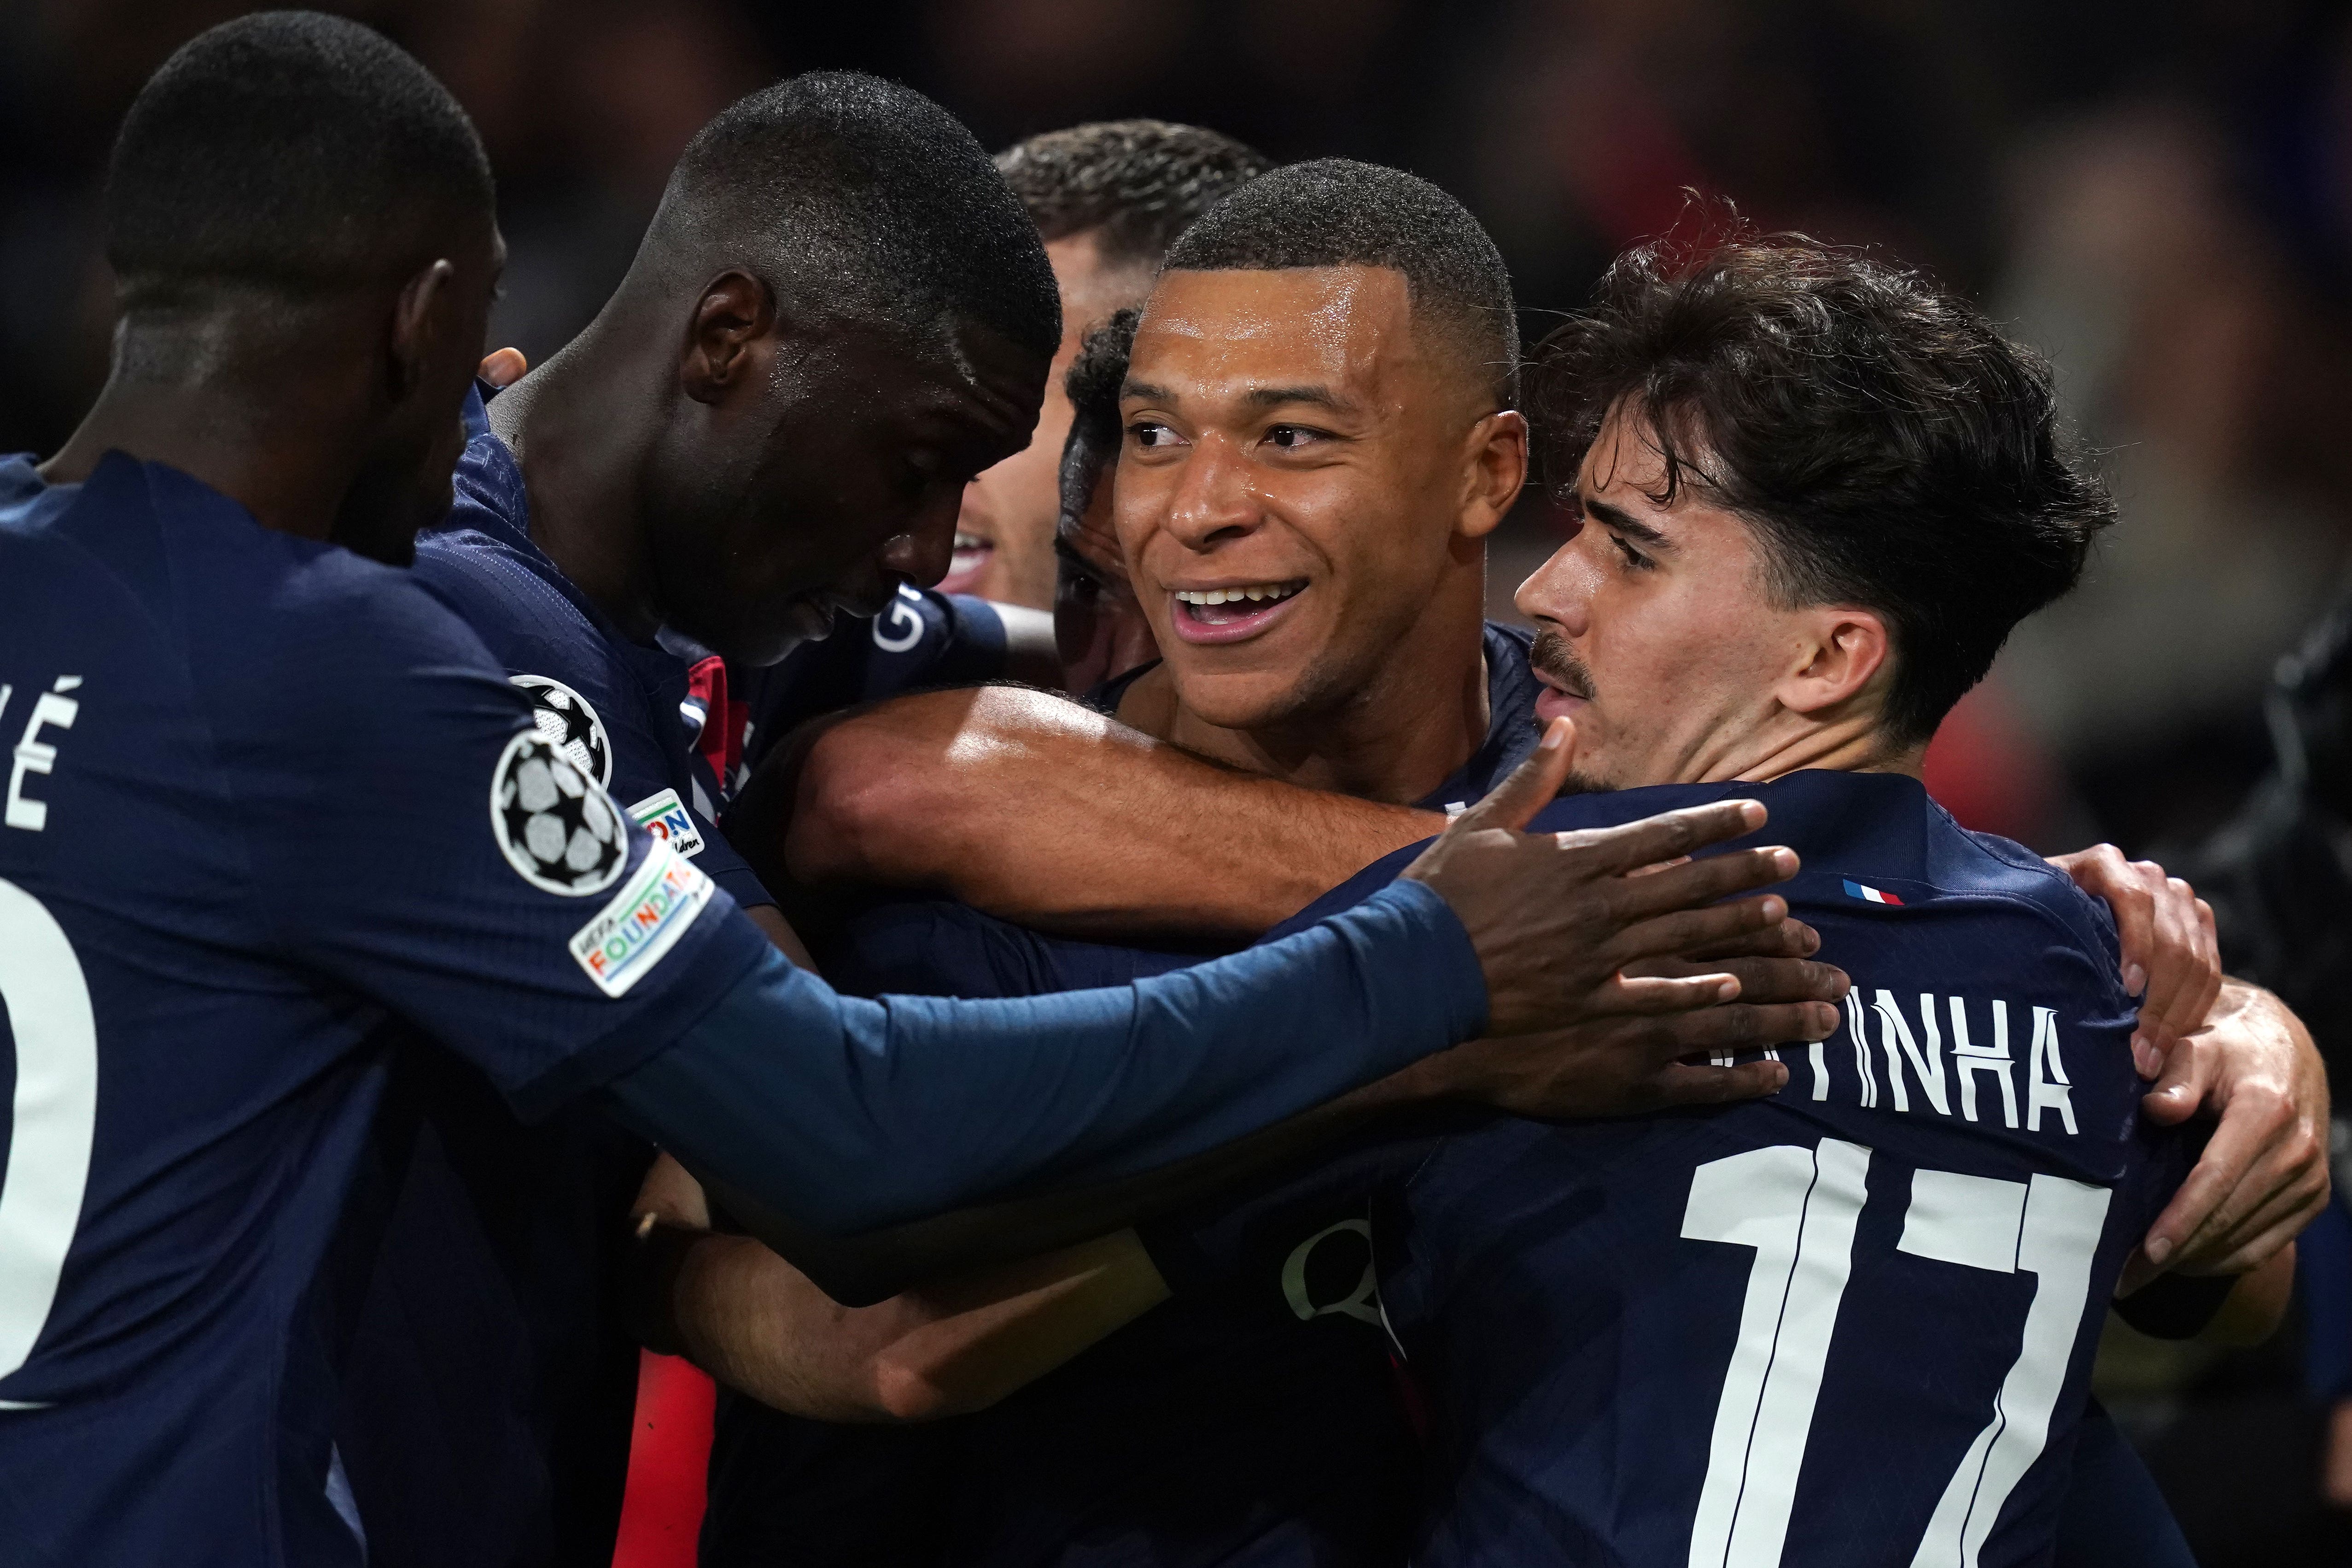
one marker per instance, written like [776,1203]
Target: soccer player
[273,807]
[1107,199]
[1099,628]
[1853,1322]
[1344,343]
[1139,1438]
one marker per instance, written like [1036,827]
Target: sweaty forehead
[1225,331]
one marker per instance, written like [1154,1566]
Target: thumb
[503,367]
[1533,784]
[2184,1083]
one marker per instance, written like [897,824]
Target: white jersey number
[1797,1207]
[55,1113]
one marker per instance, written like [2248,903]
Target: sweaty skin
[1639,588]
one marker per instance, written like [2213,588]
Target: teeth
[1255,593]
[964,541]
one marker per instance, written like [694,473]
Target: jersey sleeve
[415,838]
[937,1102]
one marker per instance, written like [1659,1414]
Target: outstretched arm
[1043,812]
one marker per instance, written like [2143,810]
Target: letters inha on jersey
[630,934]
[1907,1058]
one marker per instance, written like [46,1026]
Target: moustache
[1552,657]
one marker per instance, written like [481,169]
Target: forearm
[1041,810]
[840,1117]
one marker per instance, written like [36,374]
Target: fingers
[1695,930]
[1744,1026]
[2220,1174]
[1532,785]
[1789,939]
[1703,881]
[1681,1084]
[1664,837]
[503,367]
[1785,980]
[1648,996]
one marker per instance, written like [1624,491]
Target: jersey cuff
[1427,961]
[703,979]
[743,884]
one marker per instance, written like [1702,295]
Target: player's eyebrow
[1313,396]
[1623,521]
[1146,390]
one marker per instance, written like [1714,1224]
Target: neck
[578,428]
[1393,738]
[272,431]
[1851,744]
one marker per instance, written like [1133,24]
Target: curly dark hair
[1135,185]
[1093,383]
[1889,447]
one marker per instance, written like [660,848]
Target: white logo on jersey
[569,723]
[902,614]
[561,832]
[1362,1303]
[665,816]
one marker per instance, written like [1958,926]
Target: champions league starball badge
[564,716]
[561,832]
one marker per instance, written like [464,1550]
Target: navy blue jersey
[924,639]
[1200,1434]
[492,1375]
[1850,1323]
[618,708]
[269,803]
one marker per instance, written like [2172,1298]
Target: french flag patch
[1870,895]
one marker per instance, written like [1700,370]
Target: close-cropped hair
[1889,448]
[291,153]
[1134,184]
[865,195]
[1093,382]
[1335,212]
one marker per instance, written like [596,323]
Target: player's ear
[1497,470]
[731,320]
[419,321]
[1844,656]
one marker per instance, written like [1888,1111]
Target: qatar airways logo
[1952,1055]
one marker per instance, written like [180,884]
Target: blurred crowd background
[2158,195]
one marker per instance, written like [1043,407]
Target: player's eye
[1634,560]
[1151,433]
[1293,437]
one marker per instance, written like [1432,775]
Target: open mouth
[973,554]
[1230,614]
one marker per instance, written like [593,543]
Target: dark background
[2159,195]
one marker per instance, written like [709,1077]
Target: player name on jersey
[1895,1044]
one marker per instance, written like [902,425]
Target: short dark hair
[1136,185]
[290,152]
[1889,447]
[1093,383]
[873,195]
[1335,212]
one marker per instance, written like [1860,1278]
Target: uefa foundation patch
[652,911]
